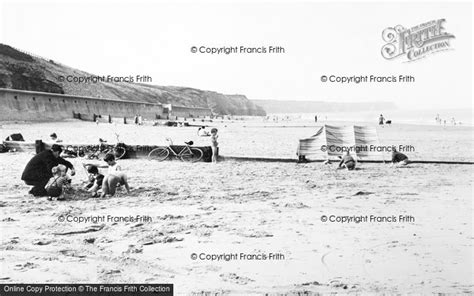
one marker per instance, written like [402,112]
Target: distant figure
[55,138]
[214,144]
[38,170]
[347,161]
[399,159]
[59,184]
[381,119]
[453,121]
[202,132]
[140,119]
[315,118]
[135,119]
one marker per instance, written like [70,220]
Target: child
[347,161]
[59,184]
[114,178]
[95,179]
[202,132]
[214,144]
[55,138]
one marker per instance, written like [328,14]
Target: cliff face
[22,71]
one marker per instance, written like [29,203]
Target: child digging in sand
[95,180]
[115,177]
[59,184]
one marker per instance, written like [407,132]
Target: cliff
[23,71]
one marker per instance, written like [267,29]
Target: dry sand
[251,208]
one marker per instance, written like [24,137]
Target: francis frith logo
[416,42]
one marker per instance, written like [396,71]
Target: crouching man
[38,171]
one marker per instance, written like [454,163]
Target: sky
[154,38]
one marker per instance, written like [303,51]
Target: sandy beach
[249,209]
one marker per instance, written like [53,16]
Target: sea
[449,117]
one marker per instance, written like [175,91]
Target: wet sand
[251,208]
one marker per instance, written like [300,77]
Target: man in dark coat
[38,170]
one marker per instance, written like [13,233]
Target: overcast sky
[154,38]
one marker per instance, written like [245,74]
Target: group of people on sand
[440,121]
[48,172]
[347,161]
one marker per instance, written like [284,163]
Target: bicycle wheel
[159,154]
[192,155]
[119,152]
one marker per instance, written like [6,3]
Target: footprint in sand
[297,205]
[8,219]
[132,249]
[257,234]
[26,266]
[232,277]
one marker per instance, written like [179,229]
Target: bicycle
[188,154]
[118,150]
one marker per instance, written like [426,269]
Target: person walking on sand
[38,170]
[214,144]
[399,159]
[347,161]
[381,119]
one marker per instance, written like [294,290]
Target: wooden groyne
[142,151]
[133,151]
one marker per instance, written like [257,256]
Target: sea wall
[40,106]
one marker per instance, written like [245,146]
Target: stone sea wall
[40,106]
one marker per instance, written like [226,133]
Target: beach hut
[330,142]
